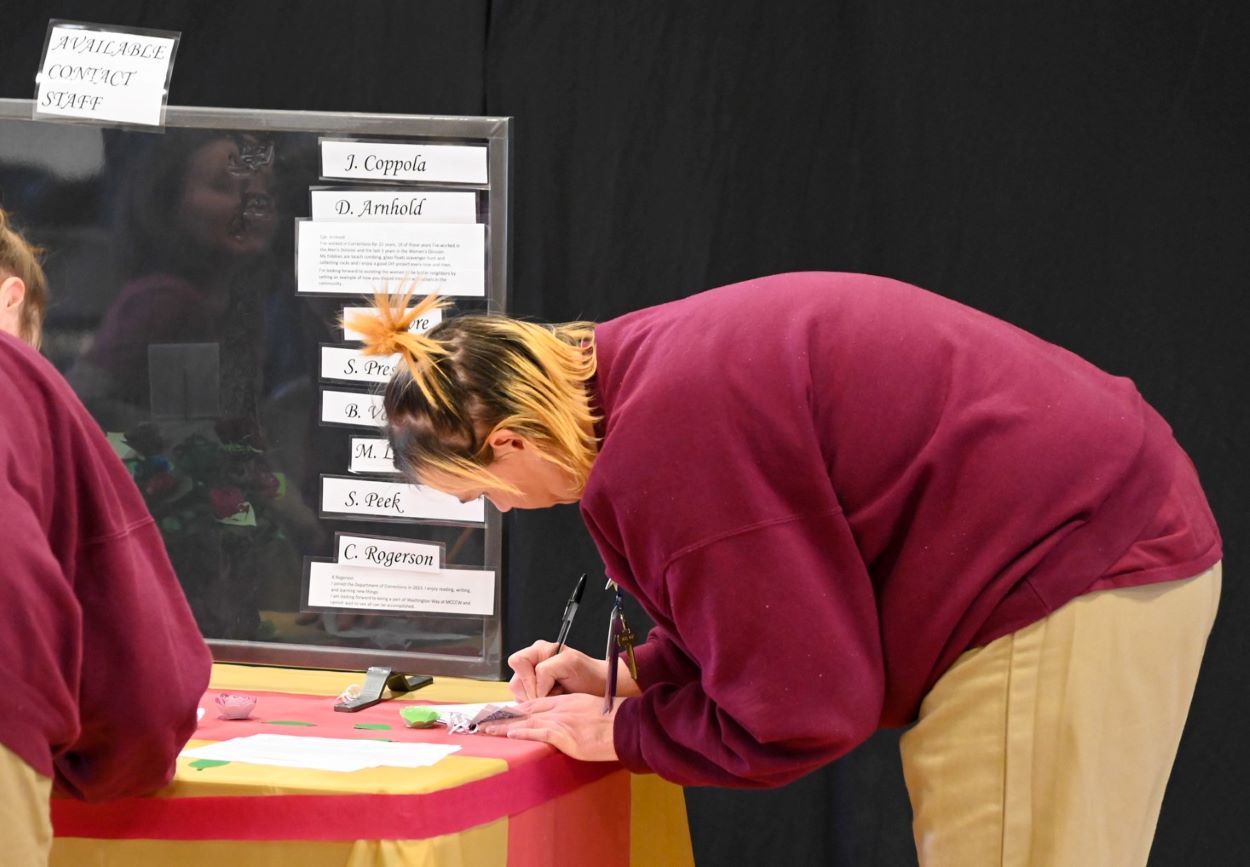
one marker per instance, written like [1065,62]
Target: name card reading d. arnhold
[389,206]
[400,161]
[341,362]
[449,591]
[107,75]
[381,553]
[357,258]
[353,408]
[419,325]
[347,497]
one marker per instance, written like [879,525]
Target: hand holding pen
[549,668]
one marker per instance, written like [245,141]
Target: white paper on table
[325,754]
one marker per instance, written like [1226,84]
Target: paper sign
[325,754]
[382,206]
[365,498]
[400,161]
[377,552]
[418,326]
[102,74]
[339,362]
[449,591]
[371,455]
[360,258]
[353,407]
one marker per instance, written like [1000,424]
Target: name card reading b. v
[354,408]
[366,498]
[352,365]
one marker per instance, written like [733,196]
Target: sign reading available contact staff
[92,72]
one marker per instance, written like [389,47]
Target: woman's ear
[503,441]
[12,294]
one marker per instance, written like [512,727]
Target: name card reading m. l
[347,497]
[372,456]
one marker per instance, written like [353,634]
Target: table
[496,802]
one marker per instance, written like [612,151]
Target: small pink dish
[234,706]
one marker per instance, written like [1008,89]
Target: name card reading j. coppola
[401,161]
[347,497]
[354,408]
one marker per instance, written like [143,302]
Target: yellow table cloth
[496,802]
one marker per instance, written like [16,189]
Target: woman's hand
[574,724]
[539,672]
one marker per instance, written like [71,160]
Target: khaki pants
[1053,745]
[25,829]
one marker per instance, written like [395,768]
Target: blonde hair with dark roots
[474,374]
[19,258]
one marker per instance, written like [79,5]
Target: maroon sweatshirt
[826,487]
[101,663]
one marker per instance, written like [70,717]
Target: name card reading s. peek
[382,206]
[340,362]
[352,407]
[449,591]
[379,553]
[418,326]
[371,455]
[365,498]
[400,161]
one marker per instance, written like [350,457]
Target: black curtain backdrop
[1078,169]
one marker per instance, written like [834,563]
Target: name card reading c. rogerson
[420,325]
[348,497]
[340,362]
[371,455]
[400,161]
[353,407]
[449,591]
[379,553]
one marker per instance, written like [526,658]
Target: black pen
[570,609]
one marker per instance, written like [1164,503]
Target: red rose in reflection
[268,485]
[160,485]
[227,501]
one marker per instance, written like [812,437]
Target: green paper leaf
[371,726]
[201,764]
[288,722]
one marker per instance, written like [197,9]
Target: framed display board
[198,275]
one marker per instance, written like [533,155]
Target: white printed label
[353,407]
[338,362]
[368,498]
[364,258]
[420,325]
[400,161]
[450,591]
[371,455]
[390,206]
[388,554]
